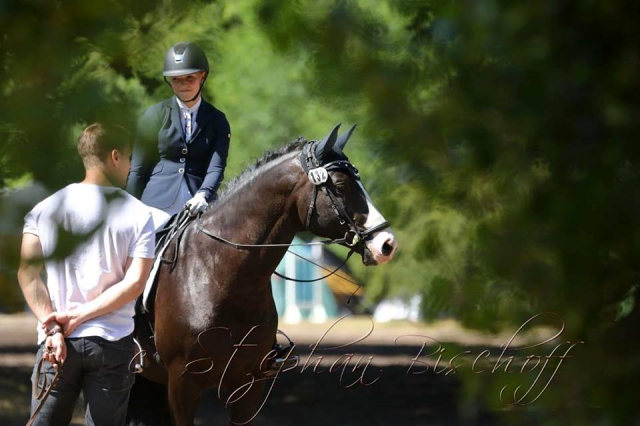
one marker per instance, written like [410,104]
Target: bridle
[319,176]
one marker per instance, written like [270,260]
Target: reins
[239,246]
[183,220]
[316,279]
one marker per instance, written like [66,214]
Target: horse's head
[338,205]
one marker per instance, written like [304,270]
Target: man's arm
[36,294]
[33,288]
[114,297]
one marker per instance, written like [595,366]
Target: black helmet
[184,58]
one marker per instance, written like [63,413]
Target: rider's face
[186,86]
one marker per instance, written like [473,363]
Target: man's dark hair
[98,139]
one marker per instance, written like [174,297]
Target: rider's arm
[218,161]
[145,151]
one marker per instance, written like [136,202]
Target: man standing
[96,243]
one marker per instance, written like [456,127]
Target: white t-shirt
[117,226]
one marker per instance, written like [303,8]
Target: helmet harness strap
[206,74]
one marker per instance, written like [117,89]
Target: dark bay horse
[214,317]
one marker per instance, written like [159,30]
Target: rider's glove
[197,204]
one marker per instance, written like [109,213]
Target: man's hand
[69,321]
[197,204]
[55,349]
[137,271]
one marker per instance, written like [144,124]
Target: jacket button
[180,170]
[182,160]
[184,150]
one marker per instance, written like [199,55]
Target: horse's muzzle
[380,249]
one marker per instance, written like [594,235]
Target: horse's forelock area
[253,171]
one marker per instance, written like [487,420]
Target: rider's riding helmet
[185,58]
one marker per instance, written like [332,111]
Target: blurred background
[497,137]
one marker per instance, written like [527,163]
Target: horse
[214,320]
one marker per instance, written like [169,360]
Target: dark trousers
[97,367]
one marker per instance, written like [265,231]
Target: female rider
[183,142]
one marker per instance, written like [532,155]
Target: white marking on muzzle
[382,244]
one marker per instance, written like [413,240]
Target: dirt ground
[383,393]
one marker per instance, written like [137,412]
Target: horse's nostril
[387,247]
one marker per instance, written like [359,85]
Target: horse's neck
[262,211]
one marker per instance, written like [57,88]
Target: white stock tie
[187,125]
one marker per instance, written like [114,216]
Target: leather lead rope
[43,393]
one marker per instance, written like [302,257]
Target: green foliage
[496,137]
[510,124]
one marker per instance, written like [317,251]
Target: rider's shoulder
[152,118]
[215,112]
[157,109]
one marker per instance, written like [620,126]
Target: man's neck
[97,177]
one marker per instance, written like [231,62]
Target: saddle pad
[163,223]
[152,276]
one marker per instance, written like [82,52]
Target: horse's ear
[326,145]
[342,140]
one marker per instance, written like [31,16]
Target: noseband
[319,176]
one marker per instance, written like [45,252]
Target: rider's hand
[197,204]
